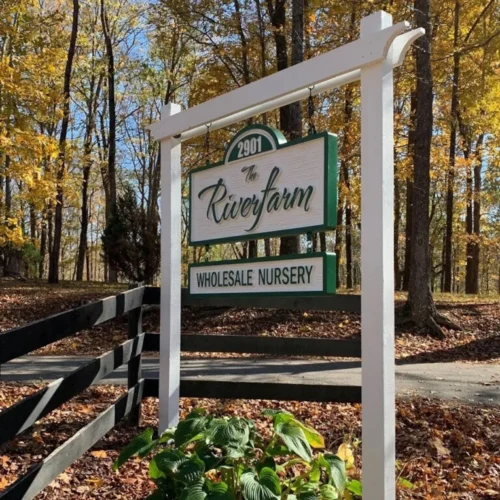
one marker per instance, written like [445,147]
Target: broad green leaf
[218,491]
[191,428]
[194,491]
[314,438]
[263,488]
[307,495]
[269,412]
[354,486]
[170,461]
[336,471]
[232,433]
[154,471]
[294,438]
[270,480]
[156,495]
[205,453]
[191,471]
[328,492]
[266,462]
[136,446]
[167,436]
[277,450]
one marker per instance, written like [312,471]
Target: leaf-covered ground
[447,451]
[22,302]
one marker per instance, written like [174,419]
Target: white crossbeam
[332,69]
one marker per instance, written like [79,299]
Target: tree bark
[345,171]
[473,216]
[245,71]
[448,263]
[43,245]
[291,244]
[409,192]
[61,169]
[338,229]
[111,173]
[420,302]
[476,251]
[277,13]
[87,151]
[397,217]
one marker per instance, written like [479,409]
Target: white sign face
[265,187]
[301,274]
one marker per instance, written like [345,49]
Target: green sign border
[329,275]
[330,186]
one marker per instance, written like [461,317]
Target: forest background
[80,80]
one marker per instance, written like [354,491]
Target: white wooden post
[170,326]
[377,271]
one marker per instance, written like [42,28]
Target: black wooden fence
[21,341]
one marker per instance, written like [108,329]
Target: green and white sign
[305,274]
[265,187]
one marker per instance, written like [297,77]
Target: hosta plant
[209,458]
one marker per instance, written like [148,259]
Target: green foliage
[131,241]
[209,458]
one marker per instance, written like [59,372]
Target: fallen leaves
[445,450]
[22,302]
[438,448]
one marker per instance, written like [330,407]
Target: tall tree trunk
[473,217]
[32,223]
[397,217]
[291,244]
[245,70]
[277,13]
[409,192]
[111,174]
[43,245]
[345,172]
[87,151]
[61,169]
[469,278]
[338,229]
[421,304]
[448,263]
[478,160]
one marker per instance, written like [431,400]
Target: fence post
[377,271]
[134,365]
[171,254]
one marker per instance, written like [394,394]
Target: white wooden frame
[371,59]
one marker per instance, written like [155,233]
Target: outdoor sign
[305,274]
[265,187]
[244,198]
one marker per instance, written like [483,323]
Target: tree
[128,242]
[92,72]
[61,168]
[110,183]
[291,244]
[421,304]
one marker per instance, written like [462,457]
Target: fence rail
[22,415]
[338,302]
[250,344]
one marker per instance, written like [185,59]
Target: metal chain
[310,113]
[309,244]
[207,156]
[207,144]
